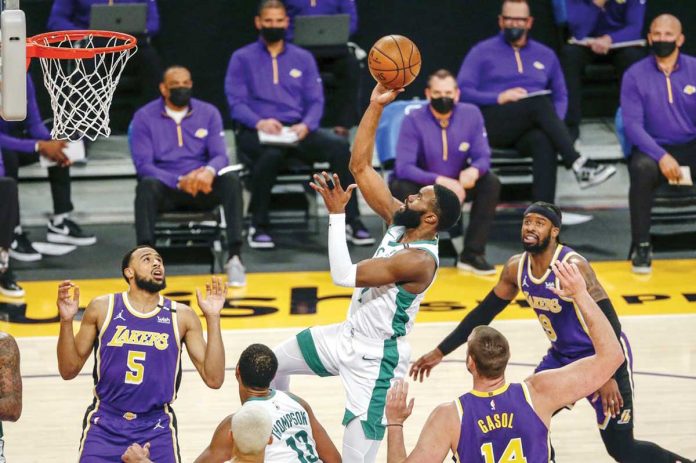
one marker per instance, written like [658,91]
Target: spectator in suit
[9,215]
[599,24]
[178,148]
[24,143]
[339,61]
[445,143]
[658,102]
[501,75]
[271,84]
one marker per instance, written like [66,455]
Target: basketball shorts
[366,366]
[107,433]
[624,378]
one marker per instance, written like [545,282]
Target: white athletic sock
[356,447]
[18,230]
[57,219]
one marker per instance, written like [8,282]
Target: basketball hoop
[81,70]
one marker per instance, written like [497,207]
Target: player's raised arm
[208,358]
[372,186]
[483,314]
[73,350]
[220,447]
[10,379]
[554,389]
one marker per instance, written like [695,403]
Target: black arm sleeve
[483,314]
[610,313]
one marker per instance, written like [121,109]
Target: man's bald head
[667,21]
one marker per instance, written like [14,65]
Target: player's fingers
[146,446]
[337,181]
[595,396]
[199,296]
[317,188]
[605,406]
[320,180]
[351,187]
[410,405]
[76,294]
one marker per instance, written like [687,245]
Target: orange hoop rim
[40,46]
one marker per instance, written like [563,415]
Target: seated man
[178,148]
[598,24]
[445,143]
[502,75]
[271,84]
[23,143]
[658,101]
[9,215]
[339,61]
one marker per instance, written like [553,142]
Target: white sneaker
[569,218]
[236,273]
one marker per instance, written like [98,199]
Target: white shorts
[366,366]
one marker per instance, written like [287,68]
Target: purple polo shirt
[163,149]
[320,7]
[423,154]
[74,14]
[287,88]
[659,110]
[622,21]
[33,124]
[493,66]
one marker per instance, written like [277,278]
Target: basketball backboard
[13,62]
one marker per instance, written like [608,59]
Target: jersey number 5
[136,367]
[513,452]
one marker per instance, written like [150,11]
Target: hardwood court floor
[665,402]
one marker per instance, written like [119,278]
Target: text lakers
[139,338]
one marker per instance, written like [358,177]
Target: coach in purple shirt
[600,24]
[178,149]
[24,143]
[658,102]
[445,143]
[499,74]
[9,216]
[271,84]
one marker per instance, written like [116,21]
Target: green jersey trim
[310,354]
[372,425]
[271,394]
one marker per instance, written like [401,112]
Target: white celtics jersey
[388,311]
[293,441]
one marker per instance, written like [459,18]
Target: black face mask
[407,218]
[442,105]
[513,34]
[663,49]
[272,34]
[180,96]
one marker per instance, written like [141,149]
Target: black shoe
[358,234]
[9,286]
[642,259]
[590,173]
[22,249]
[476,263]
[68,232]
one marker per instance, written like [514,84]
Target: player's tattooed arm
[220,447]
[326,450]
[10,379]
[593,285]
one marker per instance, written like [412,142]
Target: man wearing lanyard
[445,143]
[658,101]
[599,26]
[518,84]
[271,84]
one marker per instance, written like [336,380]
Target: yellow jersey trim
[175,323]
[543,278]
[498,391]
[135,313]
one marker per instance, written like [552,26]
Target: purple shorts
[107,433]
[624,377]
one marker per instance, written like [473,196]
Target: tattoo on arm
[10,379]
[593,286]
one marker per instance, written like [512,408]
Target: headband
[546,212]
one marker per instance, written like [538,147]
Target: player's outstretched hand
[335,197]
[572,282]
[384,95]
[421,367]
[397,410]
[68,305]
[137,454]
[215,296]
[612,401]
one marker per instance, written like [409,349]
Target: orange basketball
[394,61]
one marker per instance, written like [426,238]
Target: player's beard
[150,286]
[407,218]
[539,247]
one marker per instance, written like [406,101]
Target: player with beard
[136,337]
[369,349]
[531,273]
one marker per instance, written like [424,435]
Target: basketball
[394,61]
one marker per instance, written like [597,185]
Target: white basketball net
[81,89]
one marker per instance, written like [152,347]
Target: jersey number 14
[513,452]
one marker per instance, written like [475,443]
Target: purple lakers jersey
[137,366]
[501,425]
[559,317]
